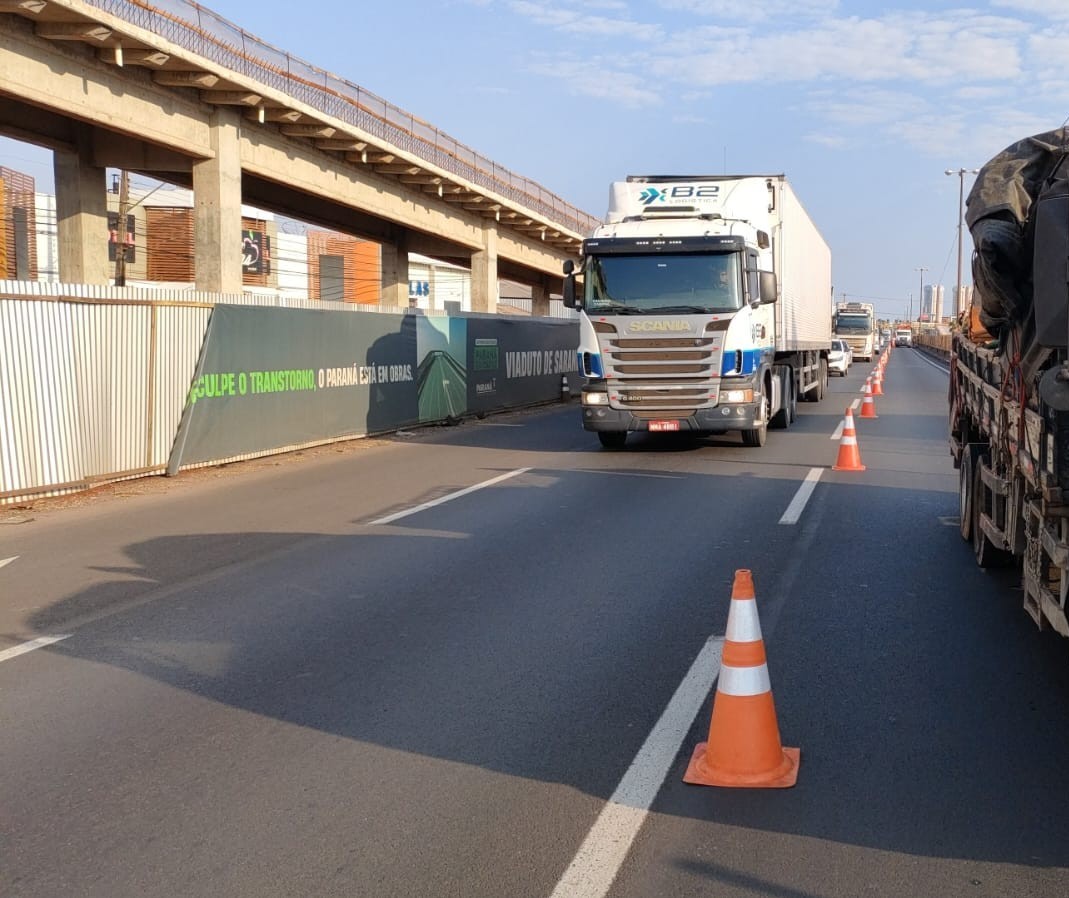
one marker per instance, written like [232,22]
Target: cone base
[782,777]
[848,467]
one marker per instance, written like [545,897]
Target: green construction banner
[271,378]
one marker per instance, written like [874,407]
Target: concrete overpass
[171,90]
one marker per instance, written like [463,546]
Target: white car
[840,358]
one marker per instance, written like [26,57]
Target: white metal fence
[93,380]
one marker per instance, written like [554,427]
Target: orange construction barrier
[868,407]
[849,454]
[744,747]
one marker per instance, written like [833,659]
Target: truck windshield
[646,284]
[853,324]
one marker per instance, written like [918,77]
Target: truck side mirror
[568,295]
[768,286]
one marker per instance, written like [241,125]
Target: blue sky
[862,105]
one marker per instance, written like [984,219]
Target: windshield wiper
[677,310]
[617,308]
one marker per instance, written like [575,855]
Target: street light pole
[961,173]
[920,300]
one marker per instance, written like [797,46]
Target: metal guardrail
[208,35]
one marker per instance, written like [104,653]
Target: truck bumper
[722,419]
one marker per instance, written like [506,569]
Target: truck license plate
[664,425]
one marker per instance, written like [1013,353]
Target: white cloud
[595,78]
[832,141]
[576,22]
[867,107]
[1054,9]
[898,47]
[755,11]
[1050,48]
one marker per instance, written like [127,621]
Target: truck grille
[658,374]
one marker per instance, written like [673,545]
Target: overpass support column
[484,272]
[217,208]
[81,217]
[395,272]
[540,300]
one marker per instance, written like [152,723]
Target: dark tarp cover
[998,213]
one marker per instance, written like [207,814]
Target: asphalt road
[475,661]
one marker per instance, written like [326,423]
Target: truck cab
[677,325]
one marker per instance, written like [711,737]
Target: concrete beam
[232,97]
[51,76]
[27,7]
[113,150]
[197,80]
[341,145]
[309,129]
[149,59]
[85,32]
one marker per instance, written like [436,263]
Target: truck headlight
[595,398]
[736,396]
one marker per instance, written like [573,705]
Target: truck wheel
[965,493]
[758,435]
[783,418]
[612,439]
[822,390]
[987,555]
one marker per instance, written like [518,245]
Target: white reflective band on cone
[849,441]
[744,680]
[743,623]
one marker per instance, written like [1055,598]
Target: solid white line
[797,506]
[595,865]
[25,647]
[944,366]
[7,561]
[390,518]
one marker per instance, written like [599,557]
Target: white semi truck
[705,305]
[855,322]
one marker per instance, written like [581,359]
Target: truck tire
[822,389]
[612,439]
[757,436]
[786,415]
[969,454]
[987,554]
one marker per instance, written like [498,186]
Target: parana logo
[658,326]
[650,195]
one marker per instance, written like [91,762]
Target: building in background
[932,304]
[18,228]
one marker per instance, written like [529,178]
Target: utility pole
[961,173]
[920,296]
[120,231]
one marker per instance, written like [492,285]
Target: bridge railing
[208,35]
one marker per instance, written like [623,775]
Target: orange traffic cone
[877,382]
[744,747]
[849,454]
[868,407]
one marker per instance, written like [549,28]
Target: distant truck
[855,322]
[903,336]
[705,308]
[1009,374]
